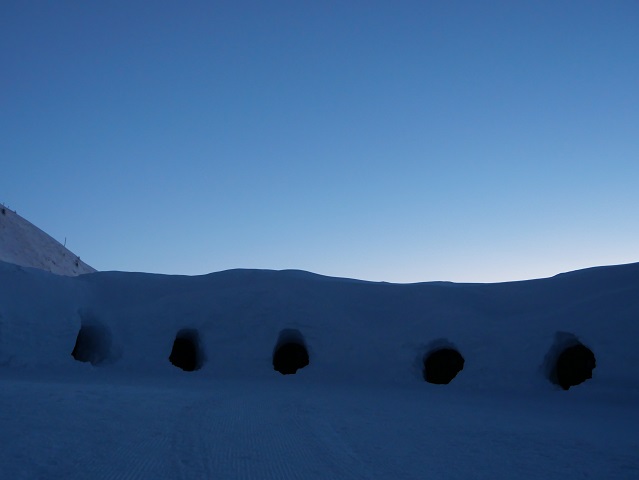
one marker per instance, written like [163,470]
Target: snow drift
[510,335]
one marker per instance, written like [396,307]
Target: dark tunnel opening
[441,366]
[93,343]
[290,353]
[186,353]
[574,366]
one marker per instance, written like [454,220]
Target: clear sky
[399,141]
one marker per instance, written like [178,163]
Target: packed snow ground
[287,428]
[360,410]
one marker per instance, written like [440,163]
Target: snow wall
[508,333]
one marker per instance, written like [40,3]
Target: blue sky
[397,141]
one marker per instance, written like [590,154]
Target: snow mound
[230,325]
[22,243]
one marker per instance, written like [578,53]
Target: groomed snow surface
[289,375]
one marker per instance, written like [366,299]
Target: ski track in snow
[261,435]
[285,429]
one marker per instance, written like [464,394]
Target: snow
[360,410]
[288,429]
[23,243]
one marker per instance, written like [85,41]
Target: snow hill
[90,385]
[25,244]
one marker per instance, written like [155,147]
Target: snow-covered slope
[25,244]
